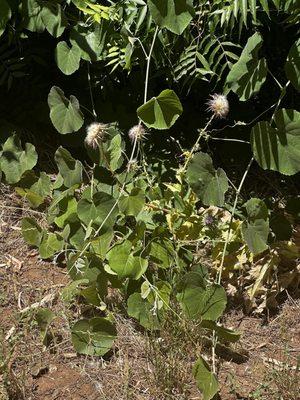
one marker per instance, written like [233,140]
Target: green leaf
[93,337]
[90,42]
[5,15]
[122,261]
[14,161]
[209,184]
[249,73]
[67,59]
[206,380]
[102,243]
[256,229]
[200,300]
[292,66]
[132,204]
[34,189]
[276,146]
[51,244]
[44,317]
[256,235]
[114,152]
[225,334]
[175,15]
[72,290]
[102,209]
[65,114]
[54,19]
[67,212]
[162,253]
[161,112]
[31,231]
[69,168]
[256,209]
[142,310]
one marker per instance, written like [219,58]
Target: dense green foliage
[128,213]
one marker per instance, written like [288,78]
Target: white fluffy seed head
[137,133]
[95,133]
[218,105]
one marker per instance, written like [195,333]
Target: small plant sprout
[95,133]
[218,105]
[137,133]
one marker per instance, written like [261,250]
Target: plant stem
[219,276]
[91,92]
[196,145]
[148,65]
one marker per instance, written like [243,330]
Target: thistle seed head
[218,105]
[95,133]
[137,133]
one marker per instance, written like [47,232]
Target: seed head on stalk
[95,133]
[137,133]
[218,105]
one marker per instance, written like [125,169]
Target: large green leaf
[90,41]
[206,380]
[67,211]
[124,262]
[67,58]
[31,231]
[133,203]
[175,15]
[200,300]
[14,161]
[249,73]
[54,19]
[292,66]
[101,208]
[276,146]
[209,184]
[255,229]
[142,310]
[5,15]
[33,188]
[161,112]
[93,337]
[50,245]
[69,168]
[65,114]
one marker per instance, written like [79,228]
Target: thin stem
[196,144]
[219,276]
[148,65]
[91,92]
[133,149]
[229,140]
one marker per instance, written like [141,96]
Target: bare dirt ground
[140,366]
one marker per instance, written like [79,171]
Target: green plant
[122,224]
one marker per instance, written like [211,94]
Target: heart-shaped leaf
[125,263]
[142,310]
[276,146]
[67,58]
[161,112]
[93,337]
[65,114]
[209,184]
[15,161]
[54,19]
[200,300]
